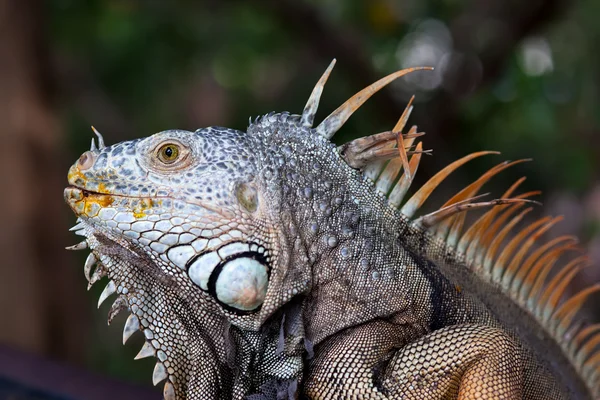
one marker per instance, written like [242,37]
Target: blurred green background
[521,77]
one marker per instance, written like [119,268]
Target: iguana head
[188,200]
[178,225]
[195,234]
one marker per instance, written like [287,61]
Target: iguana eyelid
[183,160]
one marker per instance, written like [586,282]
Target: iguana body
[271,264]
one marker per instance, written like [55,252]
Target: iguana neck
[359,267]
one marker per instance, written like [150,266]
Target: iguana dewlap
[271,264]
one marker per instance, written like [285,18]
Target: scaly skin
[262,264]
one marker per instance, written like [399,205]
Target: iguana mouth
[85,202]
[86,192]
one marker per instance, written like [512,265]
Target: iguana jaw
[157,300]
[152,289]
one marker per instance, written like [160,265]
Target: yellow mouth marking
[140,209]
[103,200]
[91,203]
[75,174]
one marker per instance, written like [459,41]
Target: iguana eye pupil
[168,153]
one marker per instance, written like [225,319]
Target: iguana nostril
[86,161]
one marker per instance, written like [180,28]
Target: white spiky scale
[79,246]
[242,283]
[201,269]
[146,351]
[108,290]
[101,144]
[169,391]
[159,374]
[77,227]
[90,261]
[132,325]
[99,273]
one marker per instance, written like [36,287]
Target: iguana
[272,264]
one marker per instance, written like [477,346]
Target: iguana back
[273,264]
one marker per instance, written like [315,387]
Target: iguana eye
[168,153]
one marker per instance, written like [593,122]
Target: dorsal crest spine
[519,268]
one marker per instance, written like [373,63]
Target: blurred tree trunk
[37,309]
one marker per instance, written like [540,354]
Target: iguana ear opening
[247,196]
